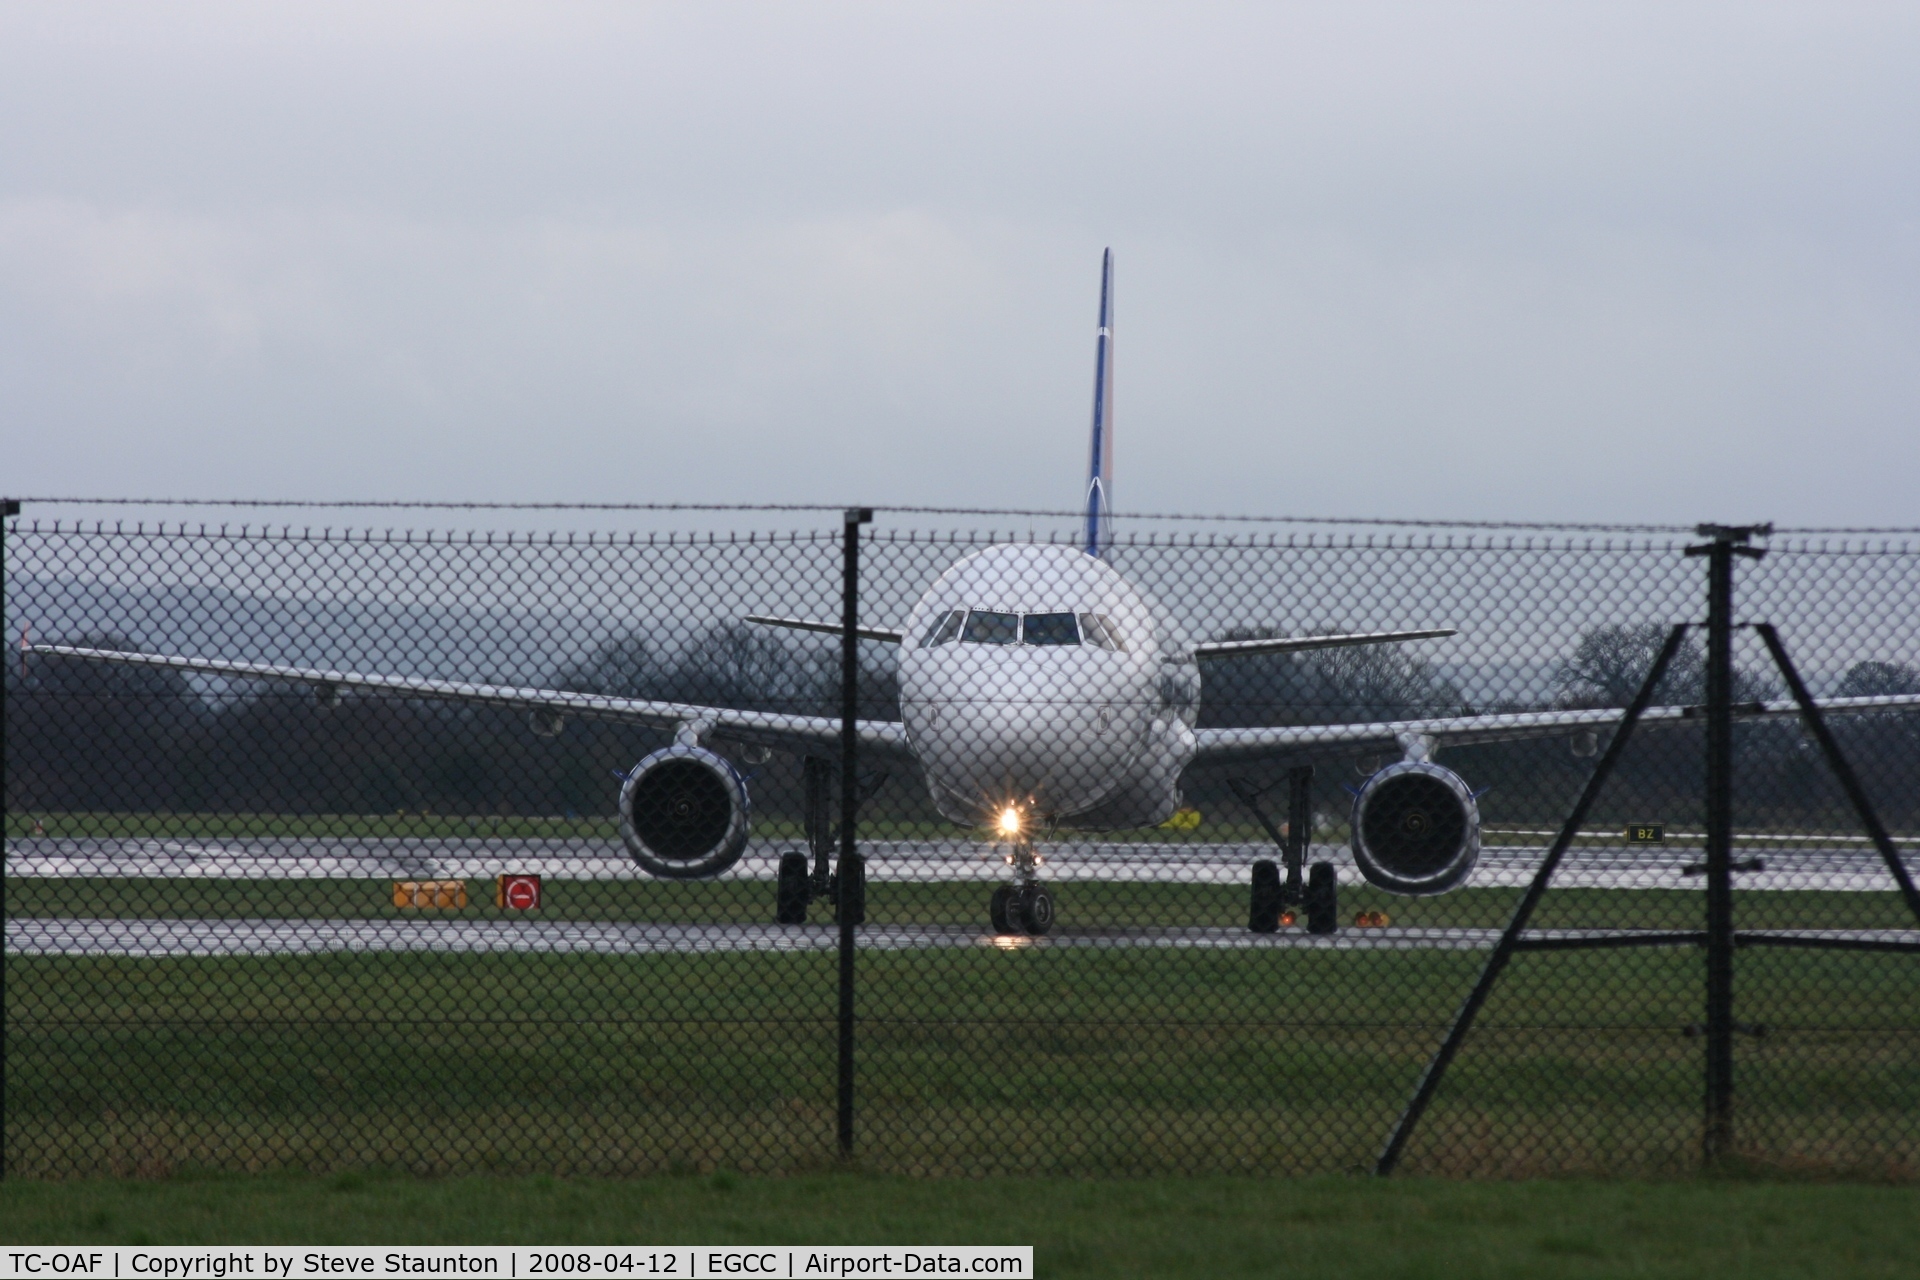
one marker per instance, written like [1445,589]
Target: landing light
[1010,821]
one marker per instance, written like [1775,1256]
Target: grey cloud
[1617,262]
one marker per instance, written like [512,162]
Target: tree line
[96,736]
[1661,777]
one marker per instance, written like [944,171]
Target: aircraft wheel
[850,896]
[790,897]
[1036,909]
[1000,910]
[1323,899]
[1264,916]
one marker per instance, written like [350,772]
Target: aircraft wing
[886,634]
[1297,644]
[1227,745]
[766,728]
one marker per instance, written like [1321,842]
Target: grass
[1165,1227]
[977,1061]
[1053,1062]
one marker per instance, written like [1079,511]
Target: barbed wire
[405,504]
[363,504]
[1816,530]
[1021,512]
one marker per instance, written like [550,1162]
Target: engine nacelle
[683,813]
[1416,828]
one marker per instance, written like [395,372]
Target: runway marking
[1674,836]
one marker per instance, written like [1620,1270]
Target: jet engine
[1416,828]
[683,813]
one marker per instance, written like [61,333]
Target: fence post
[849,797]
[1727,542]
[9,507]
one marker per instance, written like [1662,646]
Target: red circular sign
[523,895]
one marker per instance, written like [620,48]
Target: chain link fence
[528,853]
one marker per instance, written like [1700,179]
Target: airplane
[1040,692]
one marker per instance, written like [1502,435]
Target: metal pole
[8,509]
[1717,1139]
[1510,937]
[1719,1132]
[849,799]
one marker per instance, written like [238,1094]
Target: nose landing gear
[1024,906]
[1021,909]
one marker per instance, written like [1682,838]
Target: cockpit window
[1099,629]
[982,627]
[944,628]
[1049,628]
[991,628]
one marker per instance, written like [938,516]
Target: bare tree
[742,665]
[96,735]
[1884,732]
[1327,686]
[1878,680]
[623,667]
[1610,663]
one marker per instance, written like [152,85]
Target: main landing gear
[846,889]
[802,881]
[1320,895]
[1024,906]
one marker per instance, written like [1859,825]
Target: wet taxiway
[1830,864]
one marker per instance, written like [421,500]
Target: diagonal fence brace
[1849,781]
[1510,937]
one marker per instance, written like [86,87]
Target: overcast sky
[1541,261]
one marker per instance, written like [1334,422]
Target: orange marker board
[430,894]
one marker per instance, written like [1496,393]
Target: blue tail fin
[1100,469]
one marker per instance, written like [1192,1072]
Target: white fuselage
[1058,690]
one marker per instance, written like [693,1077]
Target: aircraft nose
[1059,744]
